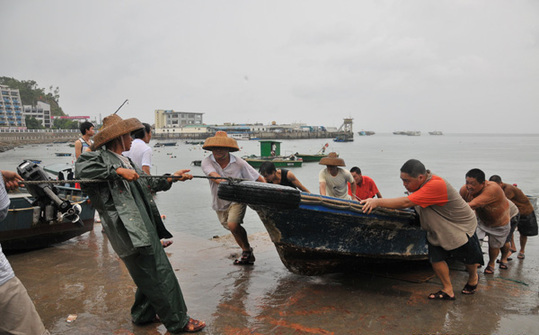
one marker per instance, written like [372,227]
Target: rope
[92,181]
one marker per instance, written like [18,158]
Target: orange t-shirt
[433,192]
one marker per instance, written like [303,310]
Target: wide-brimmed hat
[332,159]
[221,140]
[114,126]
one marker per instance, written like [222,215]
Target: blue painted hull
[325,235]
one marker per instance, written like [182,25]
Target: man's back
[518,198]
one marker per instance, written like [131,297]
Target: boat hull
[25,229]
[257,162]
[310,158]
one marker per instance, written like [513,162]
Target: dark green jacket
[123,206]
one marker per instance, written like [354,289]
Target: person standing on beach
[140,152]
[365,186]
[492,208]
[221,163]
[449,221]
[18,315]
[333,180]
[85,141]
[133,224]
[527,224]
[280,176]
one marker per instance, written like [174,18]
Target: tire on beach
[256,193]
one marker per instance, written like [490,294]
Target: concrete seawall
[267,135]
[10,140]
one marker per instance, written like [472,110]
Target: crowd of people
[456,222]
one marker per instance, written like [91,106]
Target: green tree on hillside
[31,93]
[32,123]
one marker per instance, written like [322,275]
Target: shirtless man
[492,209]
[280,176]
[527,224]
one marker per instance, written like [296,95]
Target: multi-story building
[172,119]
[11,114]
[41,112]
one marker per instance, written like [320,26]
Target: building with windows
[11,112]
[41,112]
[170,119]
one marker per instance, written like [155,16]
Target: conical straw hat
[221,140]
[114,126]
[332,159]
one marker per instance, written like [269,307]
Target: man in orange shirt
[365,186]
[449,221]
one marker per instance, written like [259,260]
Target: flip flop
[503,266]
[521,255]
[489,270]
[470,289]
[193,326]
[440,295]
[247,258]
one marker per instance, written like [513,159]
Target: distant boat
[316,234]
[271,151]
[313,157]
[436,132]
[408,133]
[62,154]
[366,133]
[43,214]
[194,142]
[240,136]
[344,138]
[164,144]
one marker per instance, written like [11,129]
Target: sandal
[440,295]
[193,326]
[247,258]
[489,270]
[470,289]
[521,255]
[503,266]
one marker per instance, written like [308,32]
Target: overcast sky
[455,66]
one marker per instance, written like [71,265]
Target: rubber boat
[316,234]
[44,214]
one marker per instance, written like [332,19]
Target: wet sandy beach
[85,277]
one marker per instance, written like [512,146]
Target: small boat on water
[314,157]
[194,142]
[42,214]
[366,133]
[164,144]
[316,234]
[62,154]
[344,138]
[436,132]
[271,151]
[408,133]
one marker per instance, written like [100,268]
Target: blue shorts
[469,253]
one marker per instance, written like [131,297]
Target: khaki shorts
[234,213]
[18,313]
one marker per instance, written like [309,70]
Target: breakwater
[266,135]
[9,140]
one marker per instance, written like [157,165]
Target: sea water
[187,205]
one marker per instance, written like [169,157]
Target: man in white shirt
[140,152]
[333,180]
[223,164]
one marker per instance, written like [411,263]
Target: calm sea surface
[187,205]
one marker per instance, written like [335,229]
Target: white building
[170,119]
[41,112]
[11,114]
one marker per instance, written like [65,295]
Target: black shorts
[469,253]
[527,225]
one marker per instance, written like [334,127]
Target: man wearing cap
[223,164]
[133,224]
[333,180]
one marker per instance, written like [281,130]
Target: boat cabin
[270,148]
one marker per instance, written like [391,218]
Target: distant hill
[31,93]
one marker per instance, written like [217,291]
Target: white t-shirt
[236,168]
[336,186]
[140,153]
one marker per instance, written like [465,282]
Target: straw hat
[114,126]
[332,159]
[221,140]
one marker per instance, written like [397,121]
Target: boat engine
[46,193]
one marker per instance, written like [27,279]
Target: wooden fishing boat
[41,215]
[271,151]
[366,133]
[164,144]
[313,157]
[315,234]
[344,138]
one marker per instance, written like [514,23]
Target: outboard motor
[45,193]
